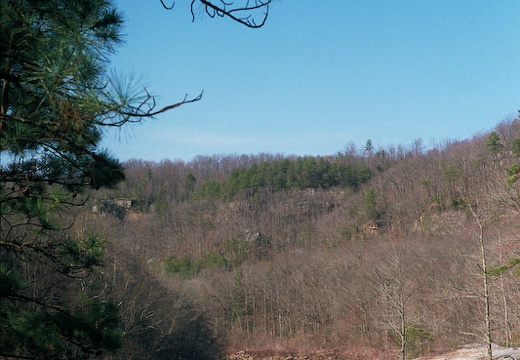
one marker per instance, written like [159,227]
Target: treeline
[284,262]
[287,174]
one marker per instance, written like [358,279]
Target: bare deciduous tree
[397,290]
[485,278]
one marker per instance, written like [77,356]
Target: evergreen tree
[516,147]
[369,147]
[55,99]
[493,143]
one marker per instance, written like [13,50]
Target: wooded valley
[374,250]
[370,253]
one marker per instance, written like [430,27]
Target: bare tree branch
[168,7]
[151,112]
[252,14]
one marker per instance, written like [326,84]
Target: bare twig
[151,113]
[168,7]
[242,14]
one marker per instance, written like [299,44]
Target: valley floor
[467,352]
[333,354]
[476,352]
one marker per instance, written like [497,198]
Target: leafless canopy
[251,13]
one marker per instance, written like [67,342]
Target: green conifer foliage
[493,143]
[55,99]
[301,173]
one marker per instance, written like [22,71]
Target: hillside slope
[269,252]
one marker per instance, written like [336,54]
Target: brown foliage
[326,274]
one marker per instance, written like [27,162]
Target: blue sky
[316,78]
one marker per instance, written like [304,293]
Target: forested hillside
[372,253]
[370,249]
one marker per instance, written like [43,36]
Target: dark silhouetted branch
[243,13]
[151,112]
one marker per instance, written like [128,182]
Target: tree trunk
[485,276]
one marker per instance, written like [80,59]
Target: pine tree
[493,143]
[55,99]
